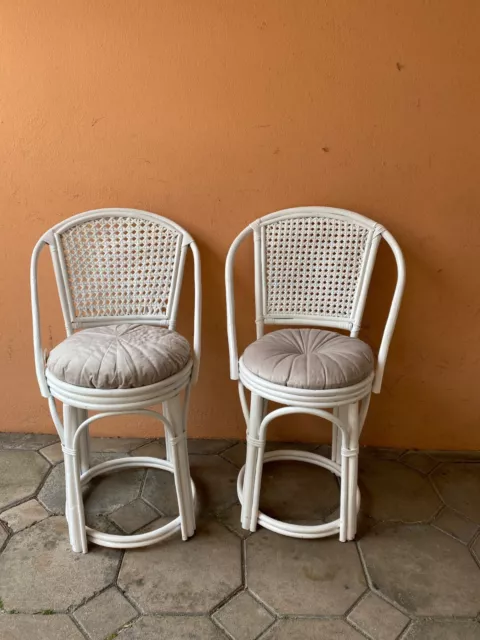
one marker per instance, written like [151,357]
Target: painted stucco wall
[216,112]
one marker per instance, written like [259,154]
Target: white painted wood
[84,444]
[351,455]
[74,510]
[256,409]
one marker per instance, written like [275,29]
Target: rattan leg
[256,411]
[84,444]
[74,501]
[353,424]
[179,455]
[168,445]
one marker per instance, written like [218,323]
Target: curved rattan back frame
[313,266]
[116,266]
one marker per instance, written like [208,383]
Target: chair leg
[257,485]
[256,412]
[84,444]
[179,454]
[74,500]
[342,445]
[168,443]
[353,422]
[336,439]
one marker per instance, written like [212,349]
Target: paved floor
[414,572]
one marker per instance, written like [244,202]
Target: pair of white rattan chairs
[119,274]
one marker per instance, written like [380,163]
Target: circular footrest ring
[140,539]
[286,528]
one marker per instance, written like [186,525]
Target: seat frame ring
[287,528]
[137,540]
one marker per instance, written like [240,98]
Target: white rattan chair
[119,274]
[313,266]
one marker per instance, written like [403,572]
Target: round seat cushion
[123,356]
[309,359]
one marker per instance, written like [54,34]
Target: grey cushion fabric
[309,359]
[122,356]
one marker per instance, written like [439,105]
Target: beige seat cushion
[309,359]
[122,356]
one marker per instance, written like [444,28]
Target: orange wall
[216,112]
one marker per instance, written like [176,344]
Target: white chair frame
[345,408]
[78,401]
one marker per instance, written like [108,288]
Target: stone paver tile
[208,446]
[21,473]
[52,494]
[159,491]
[306,629]
[476,549]
[53,453]
[116,445]
[183,577]
[378,619]
[114,449]
[364,523]
[23,627]
[98,457]
[458,484]
[419,461]
[387,488]
[230,517]
[133,516]
[27,441]
[105,614]
[444,630]
[156,524]
[454,456]
[422,570]
[104,494]
[108,493]
[304,577]
[24,515]
[216,481]
[243,617]
[172,628]
[456,525]
[39,571]
[152,449]
[3,535]
[237,454]
[383,453]
[294,491]
[102,523]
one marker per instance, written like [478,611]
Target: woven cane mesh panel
[120,266]
[313,266]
